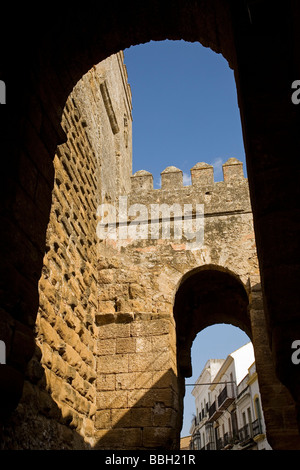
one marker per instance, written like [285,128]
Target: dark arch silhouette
[49,54]
[206,296]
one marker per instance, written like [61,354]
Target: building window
[257,408]
[234,424]
[249,421]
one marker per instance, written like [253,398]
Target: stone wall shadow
[278,403]
[152,423]
[37,423]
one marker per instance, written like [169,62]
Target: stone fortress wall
[138,345]
[58,407]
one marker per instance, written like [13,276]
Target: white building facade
[228,405]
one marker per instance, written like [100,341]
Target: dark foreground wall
[43,56]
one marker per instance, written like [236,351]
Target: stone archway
[206,296]
[209,295]
[53,53]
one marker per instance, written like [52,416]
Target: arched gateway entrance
[207,296]
[53,52]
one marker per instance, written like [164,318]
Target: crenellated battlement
[202,176]
[229,195]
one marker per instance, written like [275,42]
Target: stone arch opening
[212,294]
[54,68]
[60,57]
[206,296]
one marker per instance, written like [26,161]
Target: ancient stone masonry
[59,396]
[157,293]
[139,279]
[118,314]
[227,227]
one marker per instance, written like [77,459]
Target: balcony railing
[257,427]
[212,409]
[244,433]
[227,441]
[244,437]
[213,412]
[226,397]
[203,413]
[220,444]
[210,446]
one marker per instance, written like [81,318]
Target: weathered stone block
[162,416]
[125,381]
[121,418]
[50,335]
[133,438]
[125,345]
[150,327]
[107,276]
[114,330]
[88,428]
[202,175]
[103,419]
[78,384]
[233,170]
[72,357]
[107,306]
[46,355]
[137,291]
[158,437]
[122,438]
[142,180]
[113,364]
[107,400]
[58,366]
[106,382]
[150,361]
[145,344]
[106,346]
[171,177]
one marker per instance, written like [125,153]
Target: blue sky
[184,108]
[185,111]
[214,342]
